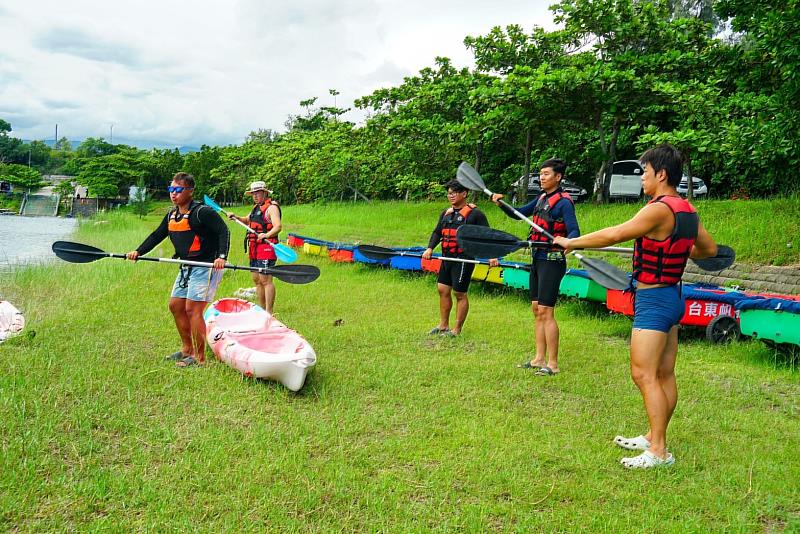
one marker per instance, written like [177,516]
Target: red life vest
[452,220]
[542,217]
[187,242]
[261,223]
[663,261]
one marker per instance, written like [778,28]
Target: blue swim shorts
[196,283]
[658,308]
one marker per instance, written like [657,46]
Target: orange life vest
[187,242]
[452,220]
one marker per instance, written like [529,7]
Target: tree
[160,165]
[92,147]
[107,176]
[141,199]
[10,147]
[200,164]
[63,144]
[262,135]
[21,176]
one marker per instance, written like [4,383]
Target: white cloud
[211,71]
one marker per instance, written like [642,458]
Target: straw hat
[257,186]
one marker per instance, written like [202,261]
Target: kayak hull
[11,320]
[247,338]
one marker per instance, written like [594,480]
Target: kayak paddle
[484,242]
[600,271]
[284,253]
[724,259]
[80,253]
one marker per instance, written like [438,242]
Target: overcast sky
[202,71]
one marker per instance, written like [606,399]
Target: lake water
[28,239]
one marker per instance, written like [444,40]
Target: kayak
[255,343]
[11,320]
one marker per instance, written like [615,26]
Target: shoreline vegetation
[393,431]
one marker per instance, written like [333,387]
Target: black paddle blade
[469,177]
[77,252]
[605,274]
[293,274]
[485,242]
[374,252]
[724,259]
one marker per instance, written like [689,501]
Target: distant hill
[143,144]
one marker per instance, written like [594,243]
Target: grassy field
[394,431]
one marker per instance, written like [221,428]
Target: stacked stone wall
[763,278]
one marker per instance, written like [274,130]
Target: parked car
[535,189]
[626,180]
[700,190]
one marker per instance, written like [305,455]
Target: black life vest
[663,261]
[451,221]
[261,223]
[543,217]
[184,232]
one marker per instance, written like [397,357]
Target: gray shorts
[196,283]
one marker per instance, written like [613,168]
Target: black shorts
[262,264]
[546,278]
[456,275]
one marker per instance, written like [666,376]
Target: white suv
[626,179]
[699,188]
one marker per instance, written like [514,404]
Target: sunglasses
[177,188]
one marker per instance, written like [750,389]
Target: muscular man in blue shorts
[667,232]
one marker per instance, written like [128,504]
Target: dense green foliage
[19,175]
[717,78]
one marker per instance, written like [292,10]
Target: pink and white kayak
[249,339]
[11,320]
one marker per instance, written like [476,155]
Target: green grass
[393,431]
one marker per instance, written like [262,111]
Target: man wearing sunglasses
[198,234]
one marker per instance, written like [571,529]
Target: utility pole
[55,139]
[111,134]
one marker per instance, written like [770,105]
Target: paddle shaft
[240,223]
[173,260]
[217,207]
[443,258]
[535,226]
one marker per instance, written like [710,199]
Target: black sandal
[527,365]
[174,357]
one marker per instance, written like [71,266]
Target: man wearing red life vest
[265,220]
[198,234]
[554,211]
[667,232]
[454,276]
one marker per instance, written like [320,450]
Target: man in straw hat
[265,220]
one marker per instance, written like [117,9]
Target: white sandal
[647,460]
[639,443]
